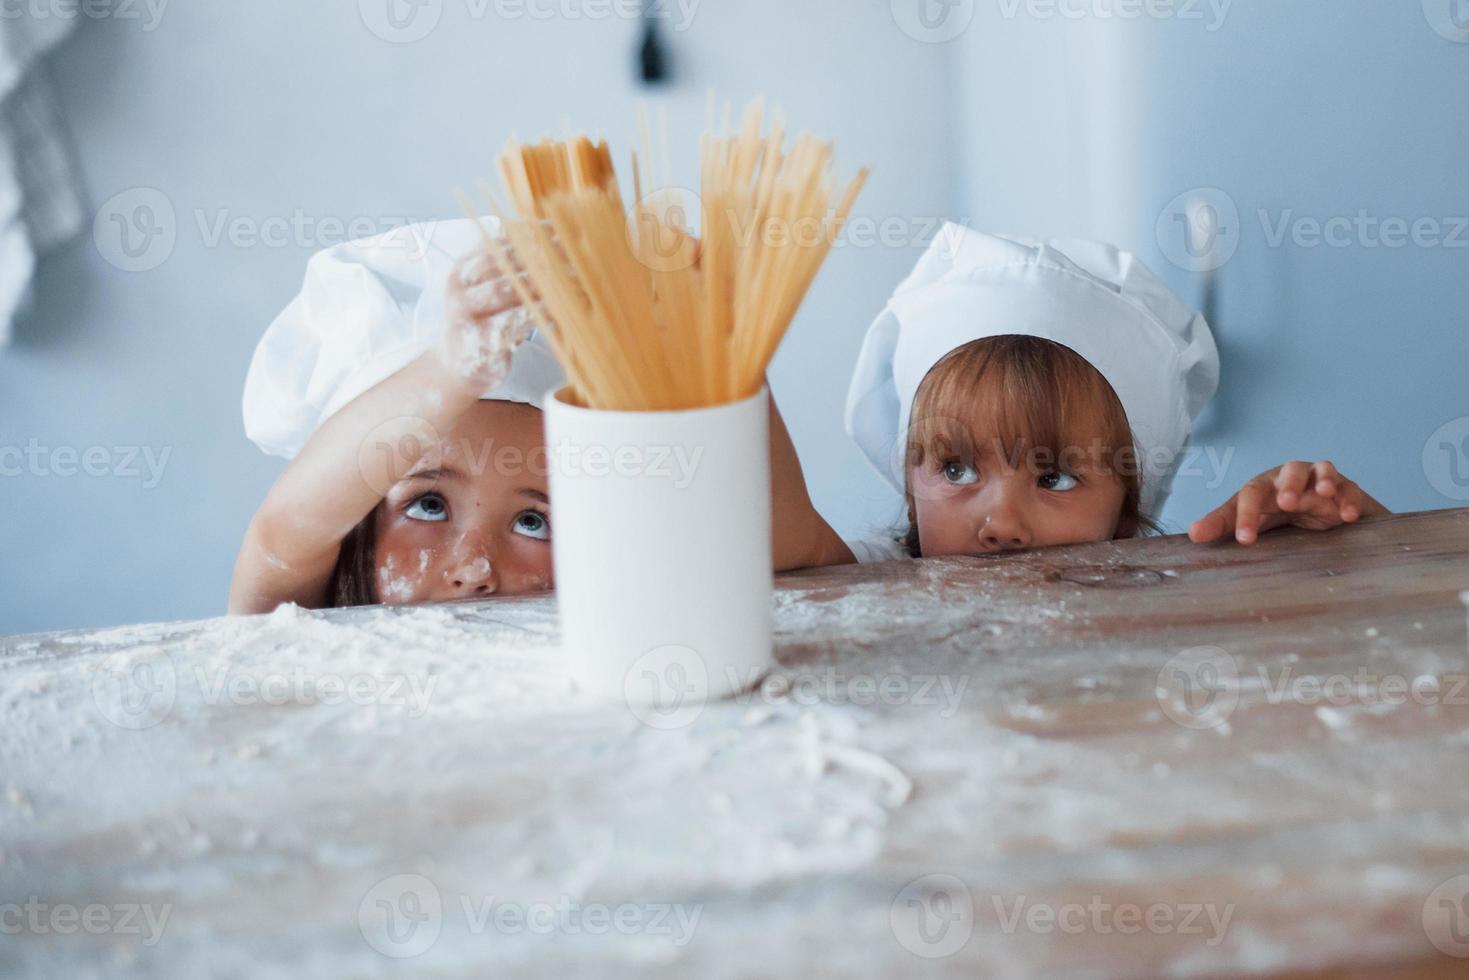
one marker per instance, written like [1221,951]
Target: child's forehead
[984,418]
[492,445]
[488,425]
[989,428]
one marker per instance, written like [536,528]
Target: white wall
[277,108]
[1030,124]
[1310,109]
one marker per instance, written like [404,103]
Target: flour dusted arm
[362,449]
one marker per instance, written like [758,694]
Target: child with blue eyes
[1022,395]
[403,383]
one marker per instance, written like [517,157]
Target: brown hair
[1046,400]
[352,582]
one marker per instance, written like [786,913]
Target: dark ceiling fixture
[652,59]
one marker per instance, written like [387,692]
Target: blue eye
[533,524]
[1059,482]
[960,474]
[430,507]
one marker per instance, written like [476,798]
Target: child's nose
[999,537]
[472,576]
[1004,529]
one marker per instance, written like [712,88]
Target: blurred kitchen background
[1297,166]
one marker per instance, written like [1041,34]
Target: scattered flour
[470,758]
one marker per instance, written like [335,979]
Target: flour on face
[391,585]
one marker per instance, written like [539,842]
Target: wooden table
[1115,760]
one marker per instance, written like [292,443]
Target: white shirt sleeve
[867,550]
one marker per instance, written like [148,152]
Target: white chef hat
[366,310]
[1156,353]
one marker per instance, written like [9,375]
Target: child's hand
[1309,495]
[485,320]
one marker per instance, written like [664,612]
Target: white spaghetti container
[661,540]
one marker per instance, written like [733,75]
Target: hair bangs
[1016,397]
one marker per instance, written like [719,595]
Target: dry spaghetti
[644,315]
